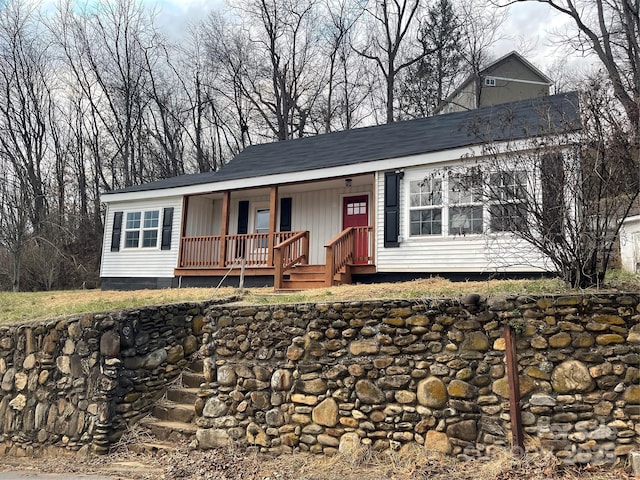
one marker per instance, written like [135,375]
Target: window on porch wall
[262,226]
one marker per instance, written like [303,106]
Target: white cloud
[174,16]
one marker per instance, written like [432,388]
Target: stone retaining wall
[77,382]
[332,376]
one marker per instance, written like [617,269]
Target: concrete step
[192,379]
[196,366]
[179,412]
[183,395]
[169,431]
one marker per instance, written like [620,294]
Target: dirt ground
[235,464]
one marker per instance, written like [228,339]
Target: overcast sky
[531,24]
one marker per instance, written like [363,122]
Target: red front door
[355,213]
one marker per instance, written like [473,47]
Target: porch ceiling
[328,184]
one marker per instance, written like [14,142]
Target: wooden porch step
[307,269]
[301,284]
[308,275]
[304,277]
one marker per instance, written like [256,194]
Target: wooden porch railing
[199,252]
[354,245]
[292,251]
[205,251]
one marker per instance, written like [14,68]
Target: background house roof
[509,121]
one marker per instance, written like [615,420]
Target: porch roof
[509,121]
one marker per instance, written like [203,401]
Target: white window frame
[430,204]
[145,223]
[506,198]
[259,207]
[450,201]
[464,197]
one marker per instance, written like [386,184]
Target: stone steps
[169,431]
[178,412]
[186,395]
[172,418]
[192,379]
[155,447]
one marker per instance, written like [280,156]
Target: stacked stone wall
[78,382]
[331,376]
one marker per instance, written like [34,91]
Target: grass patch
[28,306]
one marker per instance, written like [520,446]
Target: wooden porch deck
[282,255]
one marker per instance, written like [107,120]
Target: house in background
[630,244]
[508,79]
[357,205]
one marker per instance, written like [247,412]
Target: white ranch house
[334,208]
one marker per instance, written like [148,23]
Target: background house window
[425,207]
[465,210]
[507,194]
[142,226]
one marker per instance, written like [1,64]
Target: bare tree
[164,120]
[14,221]
[25,83]
[106,48]
[269,61]
[340,97]
[211,94]
[611,30]
[392,42]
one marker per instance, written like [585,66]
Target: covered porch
[303,236]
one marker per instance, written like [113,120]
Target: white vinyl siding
[630,244]
[141,262]
[447,253]
[203,216]
[320,212]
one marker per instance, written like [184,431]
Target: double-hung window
[425,207]
[465,207]
[507,195]
[141,229]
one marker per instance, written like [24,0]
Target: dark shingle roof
[508,121]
